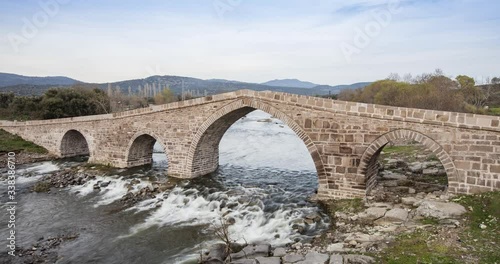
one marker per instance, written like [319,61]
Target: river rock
[315,217]
[314,258]
[337,247]
[416,167]
[440,210]
[388,175]
[336,259]
[244,261]
[395,215]
[217,253]
[358,259]
[279,252]
[372,213]
[293,258]
[105,184]
[412,201]
[252,251]
[269,260]
[432,171]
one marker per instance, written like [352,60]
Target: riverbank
[26,152]
[435,228]
[408,217]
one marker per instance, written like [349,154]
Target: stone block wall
[343,138]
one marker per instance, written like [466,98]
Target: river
[263,182]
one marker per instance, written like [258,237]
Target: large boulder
[440,210]
[314,258]
[216,254]
[372,213]
[336,259]
[395,215]
[337,247]
[268,260]
[252,251]
[293,258]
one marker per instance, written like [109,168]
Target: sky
[325,42]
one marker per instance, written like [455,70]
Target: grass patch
[418,247]
[355,205]
[429,221]
[432,157]
[483,209]
[469,244]
[494,111]
[10,142]
[400,149]
[41,187]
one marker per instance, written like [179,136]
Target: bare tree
[394,77]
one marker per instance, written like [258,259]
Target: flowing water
[264,180]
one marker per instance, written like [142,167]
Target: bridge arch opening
[145,149]
[406,162]
[203,156]
[74,144]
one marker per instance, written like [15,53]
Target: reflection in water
[262,185]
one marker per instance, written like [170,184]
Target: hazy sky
[326,42]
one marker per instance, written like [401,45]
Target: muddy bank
[23,157]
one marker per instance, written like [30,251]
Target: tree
[6,99]
[166,96]
[495,80]
[465,81]
[76,101]
[394,77]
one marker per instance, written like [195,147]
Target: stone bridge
[343,138]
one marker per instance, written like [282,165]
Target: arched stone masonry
[368,167]
[140,150]
[74,144]
[203,156]
[343,138]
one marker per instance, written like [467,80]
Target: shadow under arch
[368,165]
[74,144]
[203,154]
[140,149]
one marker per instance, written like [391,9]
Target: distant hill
[20,85]
[290,83]
[8,79]
[200,87]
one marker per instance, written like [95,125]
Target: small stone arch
[204,145]
[140,149]
[368,165]
[74,143]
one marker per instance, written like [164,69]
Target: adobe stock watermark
[381,18]
[222,7]
[32,26]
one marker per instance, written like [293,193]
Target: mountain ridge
[178,84]
[11,79]
[290,83]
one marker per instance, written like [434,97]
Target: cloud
[256,41]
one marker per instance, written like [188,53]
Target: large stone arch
[368,166]
[203,154]
[74,143]
[139,150]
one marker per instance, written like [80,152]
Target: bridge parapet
[414,115]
